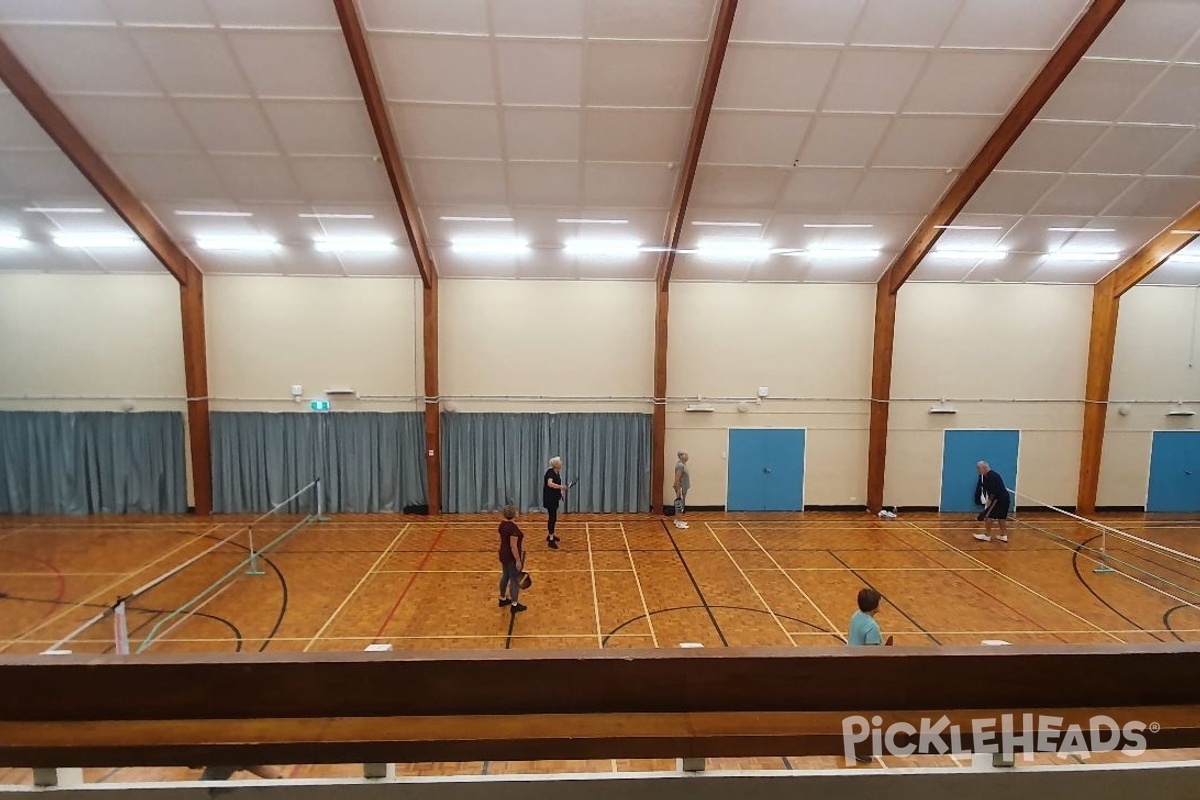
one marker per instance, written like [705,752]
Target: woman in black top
[553,490]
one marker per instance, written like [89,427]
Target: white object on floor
[995,642]
[690,644]
[983,537]
[378,648]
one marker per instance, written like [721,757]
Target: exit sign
[319,405]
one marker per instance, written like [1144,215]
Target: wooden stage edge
[469,706]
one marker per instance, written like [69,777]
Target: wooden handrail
[329,708]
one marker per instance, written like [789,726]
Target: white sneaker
[1002,539]
[983,537]
[680,523]
[684,525]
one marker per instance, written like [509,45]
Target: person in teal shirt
[864,630]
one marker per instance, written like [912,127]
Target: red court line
[411,580]
[62,582]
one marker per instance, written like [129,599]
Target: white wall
[546,339]
[809,344]
[267,333]
[1021,349]
[1155,365]
[106,338]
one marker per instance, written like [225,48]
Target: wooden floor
[616,582]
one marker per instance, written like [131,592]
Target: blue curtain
[492,459]
[92,462]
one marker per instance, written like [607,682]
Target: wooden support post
[658,422]
[881,394]
[195,364]
[433,403]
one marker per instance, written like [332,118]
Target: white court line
[358,586]
[1011,579]
[753,588]
[192,613]
[109,587]
[637,579]
[832,627]
[595,597]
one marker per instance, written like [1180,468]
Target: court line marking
[753,588]
[1013,580]
[192,540]
[15,531]
[637,579]
[55,574]
[834,629]
[191,614]
[587,531]
[346,600]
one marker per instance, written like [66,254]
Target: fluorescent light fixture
[489,247]
[602,247]
[837,252]
[65,210]
[710,224]
[969,227]
[336,216]
[1185,258]
[187,213]
[95,241]
[248,244]
[354,244]
[978,255]
[11,241]
[594,221]
[1082,255]
[733,248]
[476,219]
[1082,230]
[838,225]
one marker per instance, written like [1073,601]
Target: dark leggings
[510,580]
[551,521]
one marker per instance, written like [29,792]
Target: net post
[120,629]
[320,501]
[253,568]
[1103,568]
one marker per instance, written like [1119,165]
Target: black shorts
[999,510]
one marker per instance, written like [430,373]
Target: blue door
[766,470]
[1174,471]
[961,451]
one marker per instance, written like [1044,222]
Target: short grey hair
[681,454]
[984,464]
[556,460]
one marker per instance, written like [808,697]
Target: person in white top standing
[683,482]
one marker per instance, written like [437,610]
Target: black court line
[1082,582]
[893,603]
[695,585]
[632,620]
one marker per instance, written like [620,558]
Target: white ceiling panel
[1037,24]
[45,257]
[538,18]
[457,265]
[1174,275]
[458,182]
[843,140]
[62,11]
[431,16]
[662,19]
[37,175]
[875,81]
[190,61]
[90,59]
[1158,197]
[746,138]
[1047,271]
[296,63]
[1099,90]
[632,185]
[274,13]
[258,178]
[229,125]
[132,260]
[540,73]
[867,270]
[819,190]
[941,141]
[904,191]
[888,22]
[342,180]
[1051,146]
[1130,149]
[814,21]
[17,128]
[1014,269]
[1183,160]
[1083,195]
[536,133]
[635,135]
[1173,99]
[534,183]
[974,82]
[168,177]
[1149,30]
[942,270]
[617,73]
[436,69]
[327,127]
[447,131]
[778,78]
[156,12]
[738,187]
[129,124]
[1010,192]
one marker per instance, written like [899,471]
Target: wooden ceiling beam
[1090,25]
[1155,253]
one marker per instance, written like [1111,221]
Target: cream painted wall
[547,339]
[105,340]
[267,333]
[1007,356]
[809,344]
[1155,365]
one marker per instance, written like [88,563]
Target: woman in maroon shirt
[512,549]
